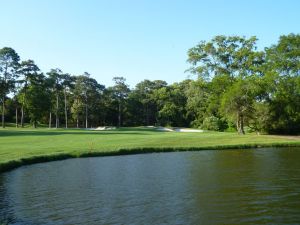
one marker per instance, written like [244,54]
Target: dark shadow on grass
[9,133]
[137,129]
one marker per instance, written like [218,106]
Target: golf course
[26,146]
[150,112]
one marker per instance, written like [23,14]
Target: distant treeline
[237,88]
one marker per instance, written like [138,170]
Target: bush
[214,123]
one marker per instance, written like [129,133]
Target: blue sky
[137,39]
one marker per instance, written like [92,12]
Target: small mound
[103,128]
[179,130]
[188,130]
[164,129]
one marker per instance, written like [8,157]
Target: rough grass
[25,146]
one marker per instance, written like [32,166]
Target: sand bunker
[179,130]
[188,130]
[156,128]
[164,129]
[102,128]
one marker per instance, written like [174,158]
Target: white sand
[157,128]
[188,130]
[179,130]
[102,128]
[164,129]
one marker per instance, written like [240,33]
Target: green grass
[24,145]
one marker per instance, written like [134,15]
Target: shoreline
[14,164]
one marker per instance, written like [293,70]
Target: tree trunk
[22,116]
[86,116]
[156,116]
[23,103]
[3,98]
[119,116]
[240,124]
[66,113]
[77,122]
[34,124]
[147,115]
[17,117]
[50,120]
[3,112]
[237,123]
[56,112]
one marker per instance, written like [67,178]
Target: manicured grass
[25,146]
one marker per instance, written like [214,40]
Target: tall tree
[87,93]
[283,57]
[171,101]
[28,70]
[237,103]
[233,56]
[197,101]
[86,76]
[121,91]
[67,84]
[56,80]
[38,99]
[146,109]
[283,98]
[76,109]
[9,62]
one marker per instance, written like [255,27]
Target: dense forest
[235,87]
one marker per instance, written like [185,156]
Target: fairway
[43,144]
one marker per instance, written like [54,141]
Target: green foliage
[233,55]
[9,62]
[284,107]
[87,94]
[214,123]
[210,123]
[284,93]
[237,103]
[120,94]
[197,101]
[38,101]
[231,59]
[237,88]
[283,58]
[260,117]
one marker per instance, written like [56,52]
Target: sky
[136,39]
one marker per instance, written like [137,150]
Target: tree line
[237,87]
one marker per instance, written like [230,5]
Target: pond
[260,186]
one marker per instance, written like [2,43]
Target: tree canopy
[237,88]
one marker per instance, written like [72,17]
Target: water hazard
[259,186]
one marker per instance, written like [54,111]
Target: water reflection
[209,187]
[251,187]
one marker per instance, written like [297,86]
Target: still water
[259,186]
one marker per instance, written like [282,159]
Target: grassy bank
[26,146]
